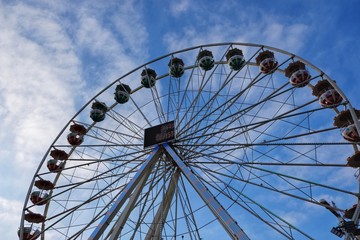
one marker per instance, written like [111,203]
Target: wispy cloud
[110,40]
[45,74]
[178,7]
[9,210]
[266,29]
[39,74]
[39,70]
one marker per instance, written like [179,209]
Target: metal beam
[229,224]
[119,225]
[158,223]
[109,216]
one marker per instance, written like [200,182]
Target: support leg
[161,214]
[229,224]
[109,216]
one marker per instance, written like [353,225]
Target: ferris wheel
[219,141]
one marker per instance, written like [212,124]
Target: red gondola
[44,184]
[34,217]
[75,139]
[351,134]
[354,160]
[39,198]
[328,96]
[266,62]
[59,154]
[55,165]
[76,135]
[298,75]
[29,233]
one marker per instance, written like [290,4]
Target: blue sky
[55,55]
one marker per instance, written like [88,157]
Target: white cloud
[111,42]
[44,76]
[178,7]
[39,79]
[10,214]
[265,29]
[129,24]
[39,76]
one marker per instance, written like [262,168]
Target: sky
[56,55]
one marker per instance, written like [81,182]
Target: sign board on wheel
[159,134]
